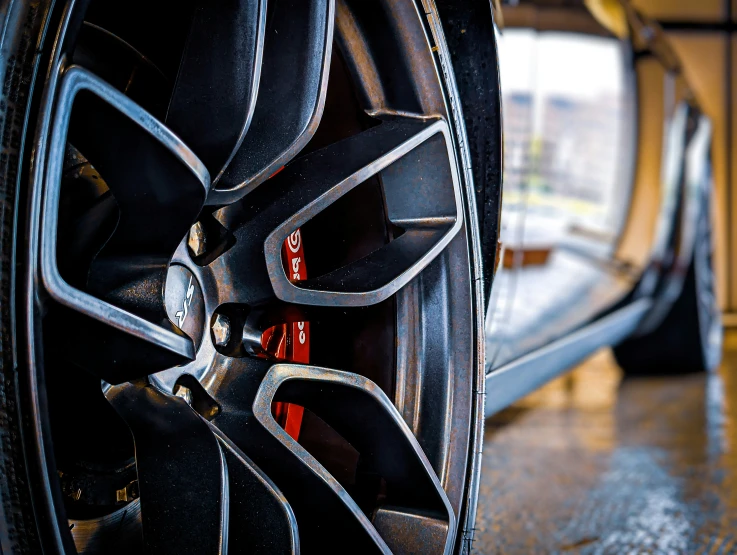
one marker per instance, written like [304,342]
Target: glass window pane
[567,132]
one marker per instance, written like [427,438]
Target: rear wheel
[689,339]
[253,223]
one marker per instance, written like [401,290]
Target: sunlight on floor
[594,463]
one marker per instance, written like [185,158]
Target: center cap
[185,304]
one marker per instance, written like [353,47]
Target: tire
[21,29]
[160,329]
[689,338]
[467,27]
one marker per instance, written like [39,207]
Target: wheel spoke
[215,93]
[416,516]
[329,520]
[296,59]
[415,164]
[182,475]
[253,493]
[120,307]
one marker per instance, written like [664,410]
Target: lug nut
[221,330]
[183,393]
[196,240]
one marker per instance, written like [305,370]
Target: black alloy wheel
[173,151]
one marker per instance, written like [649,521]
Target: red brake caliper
[290,342]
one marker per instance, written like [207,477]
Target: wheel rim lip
[467,516]
[38,435]
[51,84]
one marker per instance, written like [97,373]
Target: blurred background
[569,123]
[594,462]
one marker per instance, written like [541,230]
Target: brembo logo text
[296,264]
[294,242]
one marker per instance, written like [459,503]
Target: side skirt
[522,376]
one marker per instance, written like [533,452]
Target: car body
[597,285]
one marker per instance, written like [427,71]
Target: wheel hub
[185,304]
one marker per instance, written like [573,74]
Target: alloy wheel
[176,159]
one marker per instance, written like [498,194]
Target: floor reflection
[593,463]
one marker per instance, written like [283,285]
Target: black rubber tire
[680,344]
[21,32]
[469,33]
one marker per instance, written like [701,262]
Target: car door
[569,101]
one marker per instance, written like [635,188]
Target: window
[568,117]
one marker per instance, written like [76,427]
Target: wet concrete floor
[593,463]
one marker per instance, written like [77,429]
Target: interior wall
[683,10]
[705,39]
[640,230]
